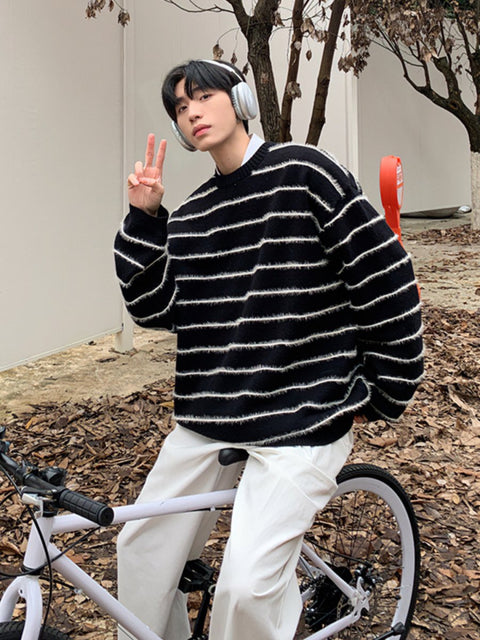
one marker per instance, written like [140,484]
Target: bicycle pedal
[196,576]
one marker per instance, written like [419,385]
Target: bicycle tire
[369,526]
[13,631]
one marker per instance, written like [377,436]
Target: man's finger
[132,180]
[161,156]
[154,184]
[150,150]
[138,169]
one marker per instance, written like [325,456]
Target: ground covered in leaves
[108,446]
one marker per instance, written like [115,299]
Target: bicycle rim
[367,529]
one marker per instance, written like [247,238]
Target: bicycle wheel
[14,630]
[368,531]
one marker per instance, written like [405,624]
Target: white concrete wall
[432,145]
[61,169]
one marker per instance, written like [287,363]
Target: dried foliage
[109,445]
[461,235]
[95,7]
[426,36]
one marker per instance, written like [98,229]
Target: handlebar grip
[86,507]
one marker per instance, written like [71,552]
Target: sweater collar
[244,170]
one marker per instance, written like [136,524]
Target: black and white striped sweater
[295,305]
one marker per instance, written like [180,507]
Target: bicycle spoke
[363,534]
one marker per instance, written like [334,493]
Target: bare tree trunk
[259,58]
[257,29]
[475,176]
[317,120]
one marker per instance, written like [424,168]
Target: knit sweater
[295,305]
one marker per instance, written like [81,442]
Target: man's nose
[194,111]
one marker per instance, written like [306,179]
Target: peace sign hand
[145,188]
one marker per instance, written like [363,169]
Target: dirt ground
[449,276]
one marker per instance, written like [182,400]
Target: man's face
[207,119]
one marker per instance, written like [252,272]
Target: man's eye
[205,96]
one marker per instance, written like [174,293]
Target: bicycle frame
[27,587]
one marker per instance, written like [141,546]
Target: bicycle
[358,570]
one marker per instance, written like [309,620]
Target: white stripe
[276,318]
[353,233]
[400,403]
[161,313]
[272,368]
[351,409]
[276,343]
[379,274]
[152,292]
[131,282]
[320,152]
[251,272]
[385,356]
[239,225]
[410,338]
[406,381]
[321,202]
[235,201]
[264,414]
[374,249]
[296,163]
[253,247]
[345,209]
[136,240]
[128,259]
[376,325]
[261,293]
[195,196]
[386,296]
[266,394]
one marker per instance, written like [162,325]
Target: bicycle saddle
[231,455]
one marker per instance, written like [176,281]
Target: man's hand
[145,188]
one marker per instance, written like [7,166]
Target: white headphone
[243,101]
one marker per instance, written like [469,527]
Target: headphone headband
[223,65]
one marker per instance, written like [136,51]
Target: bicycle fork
[27,587]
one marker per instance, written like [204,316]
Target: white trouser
[257,596]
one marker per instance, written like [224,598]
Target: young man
[297,313]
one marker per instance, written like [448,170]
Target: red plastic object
[391,191]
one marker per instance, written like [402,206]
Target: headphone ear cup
[181,138]
[244,101]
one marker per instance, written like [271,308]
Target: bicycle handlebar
[30,478]
[83,506]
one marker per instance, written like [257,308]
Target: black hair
[202,74]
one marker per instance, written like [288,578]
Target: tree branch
[318,119]
[241,15]
[198,8]
[292,74]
